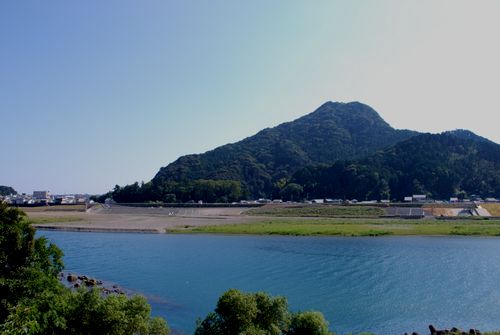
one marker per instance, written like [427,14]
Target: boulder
[72,278]
[90,282]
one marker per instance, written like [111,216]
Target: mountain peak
[354,116]
[334,131]
[343,107]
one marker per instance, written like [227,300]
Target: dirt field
[148,220]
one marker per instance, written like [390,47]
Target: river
[385,285]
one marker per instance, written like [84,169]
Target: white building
[41,197]
[419,197]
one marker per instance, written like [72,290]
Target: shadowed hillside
[440,166]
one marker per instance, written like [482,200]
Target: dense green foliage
[214,191]
[259,314]
[33,301]
[437,165]
[27,265]
[83,312]
[6,190]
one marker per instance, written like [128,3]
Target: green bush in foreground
[33,301]
[28,266]
[84,312]
[259,314]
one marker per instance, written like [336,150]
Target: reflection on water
[386,285]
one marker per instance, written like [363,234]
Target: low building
[334,201]
[419,197]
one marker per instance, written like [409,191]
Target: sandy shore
[139,220]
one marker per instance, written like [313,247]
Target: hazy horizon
[96,94]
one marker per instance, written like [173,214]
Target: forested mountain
[440,166]
[341,150]
[7,190]
[263,162]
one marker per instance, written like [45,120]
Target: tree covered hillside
[341,150]
[6,190]
[437,165]
[263,162]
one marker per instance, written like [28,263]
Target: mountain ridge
[332,139]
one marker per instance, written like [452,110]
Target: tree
[33,301]
[292,192]
[259,314]
[7,190]
[27,264]
[308,323]
[84,312]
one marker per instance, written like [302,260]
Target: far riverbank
[241,220]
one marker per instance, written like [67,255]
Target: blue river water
[385,285]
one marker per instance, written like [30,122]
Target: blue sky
[98,93]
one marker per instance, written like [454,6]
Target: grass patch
[56,219]
[56,208]
[317,211]
[353,227]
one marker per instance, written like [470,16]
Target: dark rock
[72,278]
[118,291]
[89,282]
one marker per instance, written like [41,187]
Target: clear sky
[98,93]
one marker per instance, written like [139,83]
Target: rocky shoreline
[75,281]
[451,331]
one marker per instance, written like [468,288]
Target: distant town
[45,198]
[41,198]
